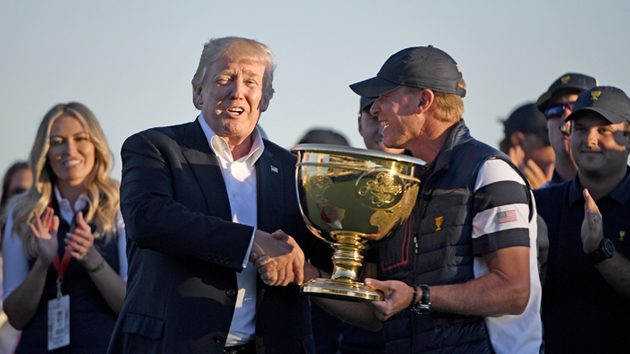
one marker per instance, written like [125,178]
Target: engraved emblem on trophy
[348,197]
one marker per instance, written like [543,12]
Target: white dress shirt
[240,184]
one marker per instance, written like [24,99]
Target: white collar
[67,211]
[221,148]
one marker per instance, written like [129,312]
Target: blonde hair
[449,107]
[235,49]
[101,191]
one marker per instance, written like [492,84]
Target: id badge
[58,322]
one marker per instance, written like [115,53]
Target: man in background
[586,294]
[323,136]
[526,142]
[557,104]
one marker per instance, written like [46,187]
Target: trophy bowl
[348,197]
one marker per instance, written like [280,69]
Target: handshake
[278,258]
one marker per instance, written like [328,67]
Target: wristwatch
[605,250]
[423,304]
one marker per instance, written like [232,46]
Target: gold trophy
[348,197]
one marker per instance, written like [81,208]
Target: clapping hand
[44,228]
[592,226]
[80,244]
[536,176]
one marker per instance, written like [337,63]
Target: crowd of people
[202,248]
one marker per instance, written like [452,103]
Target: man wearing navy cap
[464,278]
[556,104]
[586,298]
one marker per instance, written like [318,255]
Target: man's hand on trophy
[397,297]
[278,258]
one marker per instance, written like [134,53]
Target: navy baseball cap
[365,103]
[610,102]
[569,83]
[527,119]
[419,67]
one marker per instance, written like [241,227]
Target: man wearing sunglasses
[586,293]
[556,104]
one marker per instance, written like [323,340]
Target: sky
[131,62]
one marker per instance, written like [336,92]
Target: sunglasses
[557,110]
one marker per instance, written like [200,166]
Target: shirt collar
[67,211]
[620,194]
[221,148]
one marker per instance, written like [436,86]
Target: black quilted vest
[434,247]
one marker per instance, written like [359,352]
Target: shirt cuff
[249,249]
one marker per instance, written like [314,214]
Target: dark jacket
[184,251]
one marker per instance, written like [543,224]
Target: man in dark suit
[201,201]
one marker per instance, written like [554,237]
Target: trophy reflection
[348,197]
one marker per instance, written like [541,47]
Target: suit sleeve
[158,206]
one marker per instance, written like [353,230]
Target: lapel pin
[438,222]
[274,169]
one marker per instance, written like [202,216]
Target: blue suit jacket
[184,251]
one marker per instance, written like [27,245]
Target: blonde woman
[64,245]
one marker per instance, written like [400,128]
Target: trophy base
[341,290]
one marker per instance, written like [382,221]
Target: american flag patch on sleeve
[506,216]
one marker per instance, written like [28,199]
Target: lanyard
[61,267]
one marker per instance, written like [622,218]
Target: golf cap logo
[595,95]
